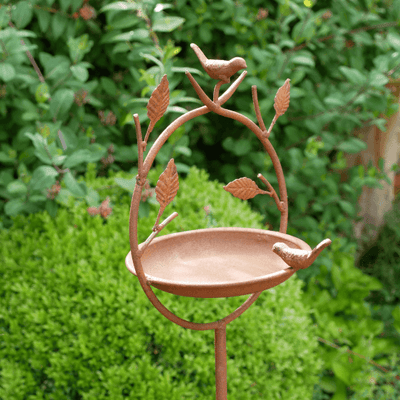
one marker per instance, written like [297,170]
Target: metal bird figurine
[219,69]
[299,259]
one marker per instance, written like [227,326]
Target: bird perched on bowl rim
[219,69]
[296,258]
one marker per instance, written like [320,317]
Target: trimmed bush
[76,325]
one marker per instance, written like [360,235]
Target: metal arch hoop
[134,210]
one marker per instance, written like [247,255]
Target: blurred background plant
[73,72]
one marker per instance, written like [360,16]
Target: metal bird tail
[317,250]
[201,56]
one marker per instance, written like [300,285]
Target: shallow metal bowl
[216,262]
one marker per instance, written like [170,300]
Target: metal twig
[159,229]
[141,144]
[200,92]
[279,204]
[216,91]
[257,108]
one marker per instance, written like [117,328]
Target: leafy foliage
[73,73]
[75,324]
[69,103]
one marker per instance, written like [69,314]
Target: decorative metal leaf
[282,98]
[244,188]
[157,104]
[167,187]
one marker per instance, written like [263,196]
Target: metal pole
[220,363]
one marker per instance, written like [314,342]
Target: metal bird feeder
[217,262]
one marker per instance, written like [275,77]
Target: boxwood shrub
[75,324]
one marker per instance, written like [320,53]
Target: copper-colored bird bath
[217,262]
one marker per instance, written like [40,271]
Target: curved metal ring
[134,210]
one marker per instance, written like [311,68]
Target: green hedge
[75,324]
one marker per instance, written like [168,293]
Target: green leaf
[43,19]
[6,177]
[328,384]
[51,208]
[61,102]
[73,186]
[37,198]
[353,75]
[76,158]
[109,86]
[347,207]
[138,34]
[92,198]
[341,372]
[394,40]
[7,72]
[30,116]
[56,67]
[126,184]
[167,24]
[182,168]
[377,79]
[65,4]
[186,151]
[21,14]
[14,207]
[396,316]
[353,145]
[79,46]
[335,100]
[42,93]
[303,60]
[122,21]
[17,187]
[242,147]
[191,70]
[58,25]
[121,6]
[341,393]
[76,5]
[80,72]
[96,152]
[63,196]
[303,30]
[4,17]
[144,209]
[43,177]
[126,154]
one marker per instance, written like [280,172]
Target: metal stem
[220,363]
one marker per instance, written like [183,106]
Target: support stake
[220,363]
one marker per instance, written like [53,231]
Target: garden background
[73,323]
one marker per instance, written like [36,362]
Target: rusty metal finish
[299,259]
[219,69]
[219,262]
[220,362]
[166,189]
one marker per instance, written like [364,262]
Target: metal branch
[212,106]
[267,133]
[216,91]
[257,108]
[141,144]
[159,229]
[232,89]
[279,204]
[200,92]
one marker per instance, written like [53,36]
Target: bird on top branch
[219,69]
